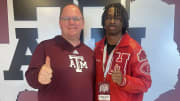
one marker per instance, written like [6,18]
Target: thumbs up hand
[45,74]
[117,77]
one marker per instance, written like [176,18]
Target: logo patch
[145,68]
[120,62]
[141,56]
[75,52]
[77,62]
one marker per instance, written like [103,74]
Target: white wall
[155,15]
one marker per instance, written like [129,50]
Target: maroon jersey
[73,71]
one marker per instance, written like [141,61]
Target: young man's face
[113,23]
[71,22]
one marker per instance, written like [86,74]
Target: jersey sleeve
[37,60]
[139,80]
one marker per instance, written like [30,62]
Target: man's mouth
[72,28]
[112,27]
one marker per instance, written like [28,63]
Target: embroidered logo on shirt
[141,56]
[77,62]
[75,52]
[145,68]
[120,62]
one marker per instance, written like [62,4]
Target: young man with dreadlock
[122,68]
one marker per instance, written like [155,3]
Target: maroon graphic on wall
[4,34]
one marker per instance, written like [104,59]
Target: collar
[124,41]
[64,44]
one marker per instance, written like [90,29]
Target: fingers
[117,73]
[116,77]
[47,69]
[46,75]
[44,80]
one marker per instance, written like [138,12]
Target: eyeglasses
[74,18]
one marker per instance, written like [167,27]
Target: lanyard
[109,61]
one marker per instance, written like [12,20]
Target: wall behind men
[23,24]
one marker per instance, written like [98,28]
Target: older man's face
[71,22]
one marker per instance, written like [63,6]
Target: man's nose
[71,21]
[112,20]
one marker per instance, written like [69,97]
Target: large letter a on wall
[27,39]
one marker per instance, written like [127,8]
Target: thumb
[48,64]
[48,61]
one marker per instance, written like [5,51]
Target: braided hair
[119,11]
